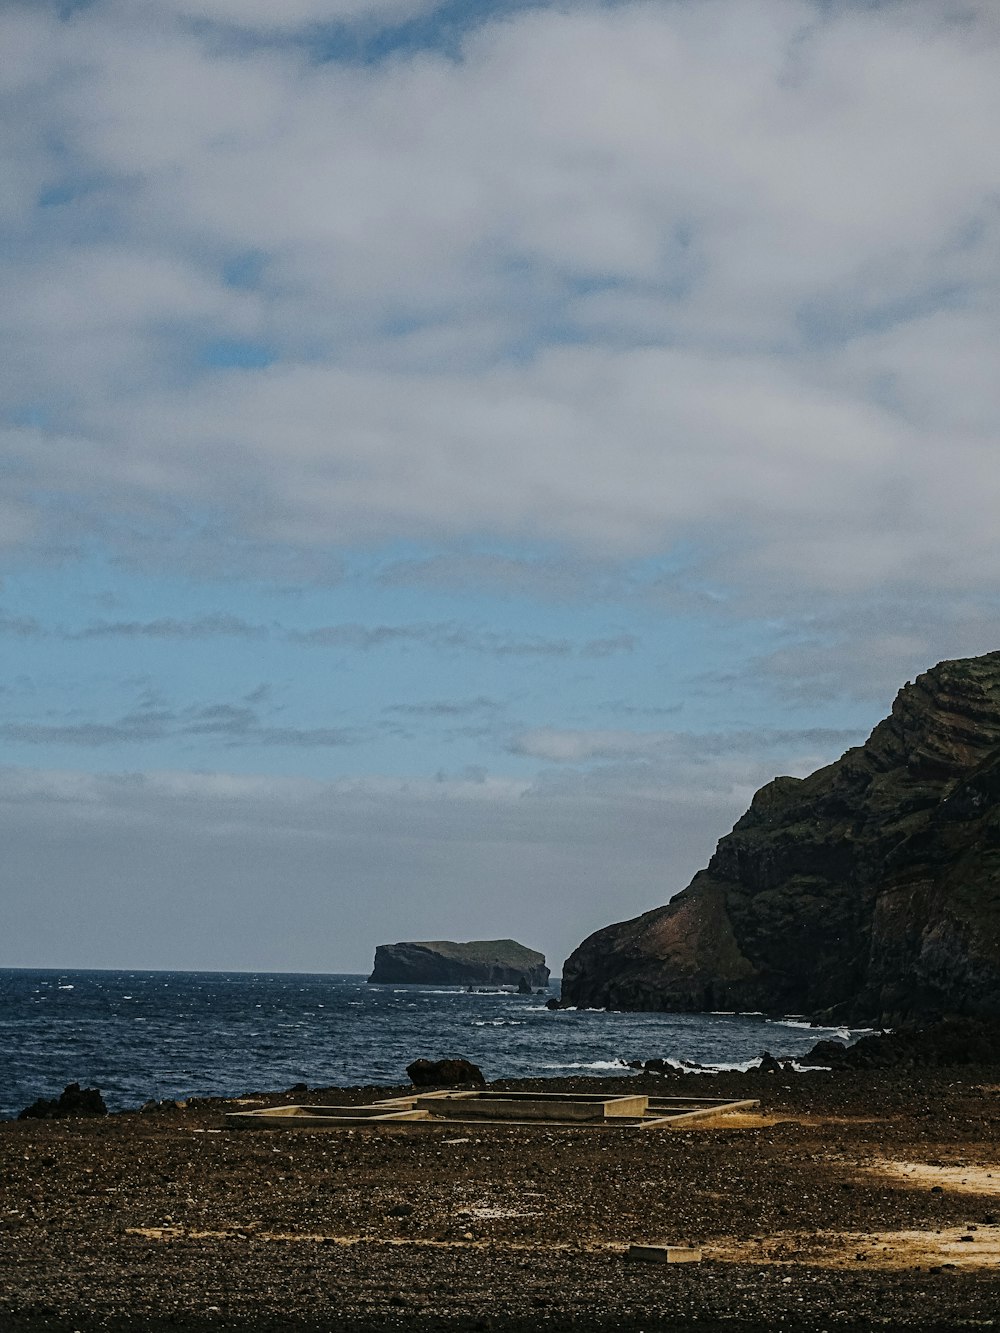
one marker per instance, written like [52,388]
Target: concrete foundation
[451,1106]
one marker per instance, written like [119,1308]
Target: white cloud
[270,15]
[560,746]
[721,273]
[675,751]
[866,650]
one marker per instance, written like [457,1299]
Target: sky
[452,454]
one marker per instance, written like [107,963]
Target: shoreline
[854,1199]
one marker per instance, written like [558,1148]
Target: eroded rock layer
[869,891]
[446,963]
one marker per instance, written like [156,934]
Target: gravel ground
[853,1201]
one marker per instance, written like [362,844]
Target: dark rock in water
[445,963]
[825,1054]
[553,1003]
[524,986]
[868,892]
[72,1101]
[443,1073]
[957,1041]
[656,1066]
[168,1104]
[769,1064]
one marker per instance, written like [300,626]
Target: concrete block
[665,1254]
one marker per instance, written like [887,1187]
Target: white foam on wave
[804,1023]
[838,1030]
[427,990]
[736,1067]
[588,1064]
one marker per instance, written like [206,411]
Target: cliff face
[869,891]
[445,963]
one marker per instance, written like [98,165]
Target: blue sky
[452,455]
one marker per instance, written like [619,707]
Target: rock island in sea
[447,963]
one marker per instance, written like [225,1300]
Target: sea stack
[447,963]
[867,892]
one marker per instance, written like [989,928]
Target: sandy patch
[957,1247]
[952,1247]
[921,1175]
[171,1233]
[763,1120]
[732,1120]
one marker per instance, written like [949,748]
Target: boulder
[825,1054]
[72,1101]
[443,1073]
[770,1064]
[656,1066]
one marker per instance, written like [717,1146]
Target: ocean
[137,1035]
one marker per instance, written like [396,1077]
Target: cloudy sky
[453,453]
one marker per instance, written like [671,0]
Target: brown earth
[863,1199]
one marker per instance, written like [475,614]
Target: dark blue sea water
[176,1034]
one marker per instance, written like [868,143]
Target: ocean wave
[428,990]
[259,1031]
[588,1064]
[838,1029]
[804,1023]
[576,1009]
[722,1067]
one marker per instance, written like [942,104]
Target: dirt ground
[849,1201]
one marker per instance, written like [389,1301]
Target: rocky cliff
[869,891]
[445,963]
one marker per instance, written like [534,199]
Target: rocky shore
[854,1199]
